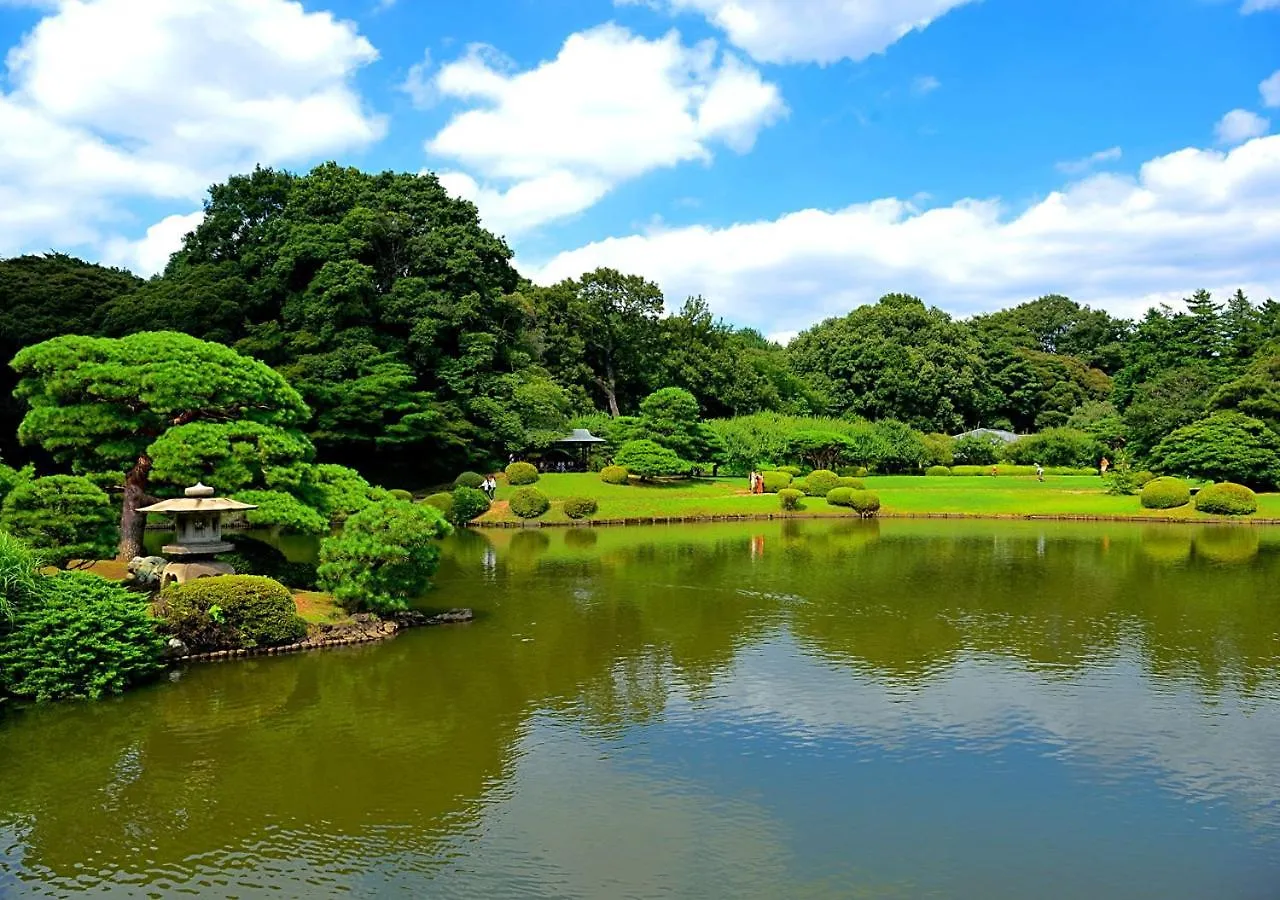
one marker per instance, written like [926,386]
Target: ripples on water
[782,710]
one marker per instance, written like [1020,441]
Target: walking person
[1106,464]
[1039,472]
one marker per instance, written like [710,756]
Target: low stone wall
[365,631]
[764,517]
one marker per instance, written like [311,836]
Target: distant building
[1007,437]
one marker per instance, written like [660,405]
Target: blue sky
[787,159]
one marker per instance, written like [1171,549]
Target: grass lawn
[1009,495]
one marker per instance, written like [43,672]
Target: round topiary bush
[1142,479]
[776,481]
[469,479]
[466,504]
[852,472]
[853,484]
[840,496]
[793,471]
[865,503]
[520,473]
[789,499]
[1165,493]
[230,612]
[529,503]
[614,475]
[819,481]
[937,471]
[1227,499]
[580,507]
[442,501]
[399,494]
[800,485]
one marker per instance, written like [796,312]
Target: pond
[776,709]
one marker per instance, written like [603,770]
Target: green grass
[1000,496]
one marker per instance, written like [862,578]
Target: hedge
[230,612]
[1165,493]
[1227,499]
[614,475]
[776,481]
[529,503]
[854,484]
[789,499]
[819,481]
[580,507]
[521,473]
[937,471]
[469,479]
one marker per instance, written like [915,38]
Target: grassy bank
[1000,496]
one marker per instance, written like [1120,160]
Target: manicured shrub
[1143,478]
[1070,471]
[469,479]
[255,557]
[521,473]
[78,637]
[529,503]
[442,501]
[853,484]
[649,460]
[384,556]
[790,499]
[230,612]
[1227,446]
[1227,499]
[852,472]
[580,507]
[840,496]
[62,517]
[399,494]
[793,471]
[801,485]
[1165,493]
[1056,447]
[614,475]
[820,481]
[865,503]
[466,504]
[282,510]
[776,481]
[976,450]
[937,471]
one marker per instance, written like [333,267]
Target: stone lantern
[198,518]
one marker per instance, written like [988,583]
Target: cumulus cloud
[1253,6]
[821,31]
[610,107]
[1090,162]
[1240,125]
[150,253]
[1194,218]
[1270,90]
[115,99]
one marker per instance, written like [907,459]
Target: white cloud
[1270,90]
[925,84]
[1240,125]
[150,253]
[418,85]
[1253,6]
[610,107]
[1088,163]
[821,31]
[112,99]
[1194,218]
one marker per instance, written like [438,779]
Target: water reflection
[753,709]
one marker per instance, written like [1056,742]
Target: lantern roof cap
[199,498]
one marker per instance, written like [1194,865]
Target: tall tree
[99,404]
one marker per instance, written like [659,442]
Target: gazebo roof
[199,498]
[581,436]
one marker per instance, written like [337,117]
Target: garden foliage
[1165,493]
[529,503]
[521,473]
[1227,499]
[230,612]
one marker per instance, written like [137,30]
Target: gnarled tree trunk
[133,524]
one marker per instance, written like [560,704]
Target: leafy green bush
[1227,446]
[865,503]
[10,478]
[1227,499]
[1165,493]
[976,450]
[63,518]
[968,471]
[277,509]
[776,481]
[442,501]
[18,578]
[853,484]
[939,450]
[529,503]
[790,499]
[580,507]
[1143,478]
[255,557]
[1070,471]
[384,556]
[649,460]
[614,475]
[840,496]
[398,494]
[78,637]
[938,471]
[469,479]
[230,612]
[819,481]
[793,471]
[1056,447]
[521,473]
[801,485]
[466,504]
[852,472]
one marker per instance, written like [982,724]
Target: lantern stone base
[182,572]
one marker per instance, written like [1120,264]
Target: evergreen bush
[63,518]
[801,485]
[529,503]
[614,475]
[790,499]
[230,612]
[840,496]
[853,484]
[469,479]
[399,494]
[865,503]
[819,481]
[580,507]
[937,471]
[793,471]
[776,481]
[466,504]
[442,501]
[1227,499]
[852,472]
[521,473]
[1165,493]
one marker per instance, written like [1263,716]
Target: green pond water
[756,710]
